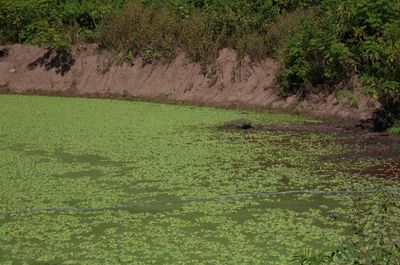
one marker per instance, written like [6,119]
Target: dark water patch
[365,146]
[357,155]
[303,128]
[79,174]
[19,147]
[37,152]
[296,204]
[29,151]
[387,170]
[285,181]
[91,159]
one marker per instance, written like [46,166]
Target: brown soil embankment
[87,71]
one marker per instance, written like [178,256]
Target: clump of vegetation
[376,238]
[319,43]
[397,148]
[395,129]
[351,99]
[137,30]
[154,29]
[151,28]
[53,23]
[344,38]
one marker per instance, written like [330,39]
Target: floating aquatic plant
[89,153]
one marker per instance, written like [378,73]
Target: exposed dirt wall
[91,72]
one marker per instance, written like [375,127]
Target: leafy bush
[350,97]
[139,30]
[52,23]
[376,235]
[200,28]
[395,129]
[41,32]
[282,30]
[397,148]
[389,113]
[344,38]
[315,58]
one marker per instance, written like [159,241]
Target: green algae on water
[77,153]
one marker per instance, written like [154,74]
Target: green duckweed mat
[73,153]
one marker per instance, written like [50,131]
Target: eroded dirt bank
[91,72]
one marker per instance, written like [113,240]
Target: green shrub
[280,31]
[201,38]
[142,31]
[41,33]
[350,97]
[389,113]
[314,58]
[53,23]
[154,29]
[200,28]
[344,38]
[397,148]
[395,129]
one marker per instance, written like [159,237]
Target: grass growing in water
[72,153]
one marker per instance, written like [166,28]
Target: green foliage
[377,232]
[41,33]
[140,31]
[389,114]
[154,29]
[395,129]
[309,257]
[53,23]
[280,31]
[376,238]
[344,38]
[130,58]
[349,97]
[397,148]
[315,57]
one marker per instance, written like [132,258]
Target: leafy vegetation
[154,29]
[351,99]
[53,23]
[346,38]
[376,238]
[397,148]
[395,129]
